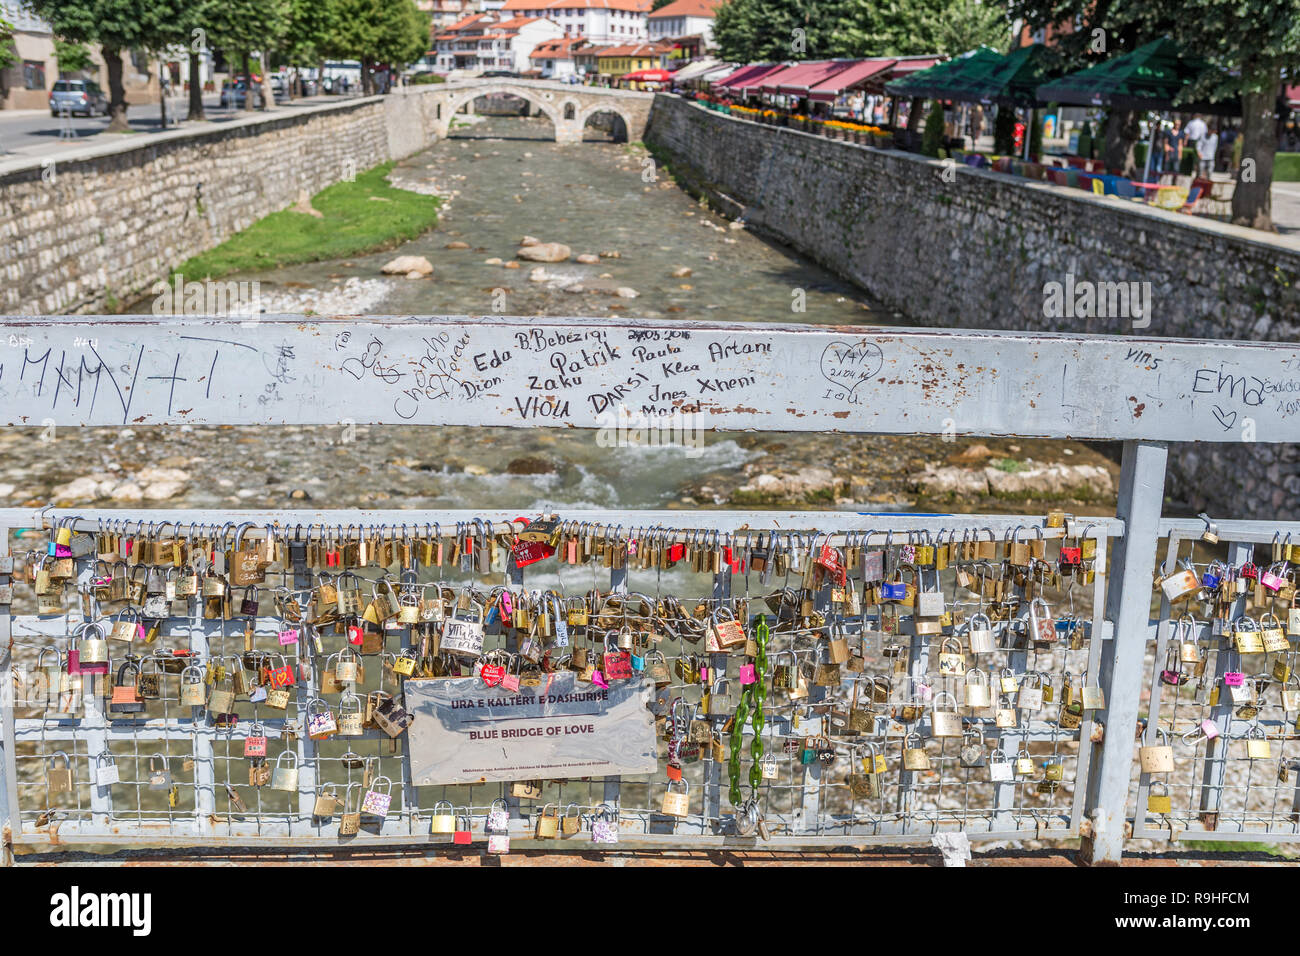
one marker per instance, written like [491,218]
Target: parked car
[235,94]
[78,96]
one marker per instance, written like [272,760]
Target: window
[33,74]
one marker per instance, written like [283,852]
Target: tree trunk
[367,78]
[1122,133]
[914,114]
[196,90]
[116,92]
[250,95]
[268,91]
[1252,201]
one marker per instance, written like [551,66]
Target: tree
[753,30]
[379,31]
[240,26]
[117,26]
[311,24]
[72,57]
[1253,41]
[932,138]
[918,27]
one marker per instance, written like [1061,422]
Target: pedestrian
[1173,147]
[1206,150]
[976,125]
[1195,131]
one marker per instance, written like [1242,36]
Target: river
[504,178]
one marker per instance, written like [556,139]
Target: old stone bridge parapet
[567,106]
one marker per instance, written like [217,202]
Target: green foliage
[659,4]
[932,138]
[423,78]
[1187,163]
[914,27]
[1085,140]
[1286,168]
[357,217]
[8,54]
[72,56]
[311,23]
[237,26]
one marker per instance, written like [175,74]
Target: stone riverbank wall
[964,248]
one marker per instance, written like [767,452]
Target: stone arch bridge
[567,106]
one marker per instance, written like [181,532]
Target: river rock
[587,259]
[538,275]
[531,465]
[611,254]
[977,452]
[529,241]
[405,265]
[415,274]
[1048,480]
[735,224]
[457,245]
[494,261]
[510,265]
[624,292]
[681,272]
[947,479]
[162,490]
[127,491]
[807,481]
[544,252]
[84,488]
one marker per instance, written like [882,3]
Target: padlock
[1157,758]
[1030,695]
[320,720]
[463,635]
[349,819]
[1024,764]
[378,798]
[126,696]
[676,804]
[58,779]
[979,634]
[1257,745]
[976,690]
[349,717]
[443,821]
[255,742]
[1000,767]
[285,777]
[971,754]
[952,661]
[1160,802]
[945,722]
[548,822]
[160,774]
[914,754]
[327,801]
[604,823]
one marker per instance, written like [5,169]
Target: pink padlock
[1271,580]
[704,675]
[747,675]
[1210,729]
[510,682]
[507,605]
[1234,678]
[598,679]
[288,636]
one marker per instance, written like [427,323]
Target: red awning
[796,78]
[649,76]
[745,73]
[857,74]
[910,64]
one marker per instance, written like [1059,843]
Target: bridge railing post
[1128,608]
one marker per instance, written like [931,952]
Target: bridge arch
[605,107]
[543,100]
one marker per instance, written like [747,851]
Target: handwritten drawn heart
[1227,421]
[849,365]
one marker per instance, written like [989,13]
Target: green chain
[754,694]
[759,689]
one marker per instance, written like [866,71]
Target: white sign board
[466,732]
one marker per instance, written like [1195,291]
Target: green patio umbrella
[1149,78]
[943,81]
[1012,80]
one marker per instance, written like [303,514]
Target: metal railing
[571,373]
